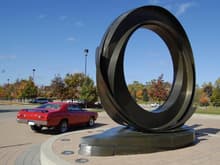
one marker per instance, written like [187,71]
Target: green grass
[208,110]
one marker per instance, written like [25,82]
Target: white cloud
[182,8]
[42,16]
[178,7]
[7,57]
[79,24]
[71,39]
[63,17]
[154,1]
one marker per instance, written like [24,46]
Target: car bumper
[32,122]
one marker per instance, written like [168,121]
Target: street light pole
[33,73]
[86,51]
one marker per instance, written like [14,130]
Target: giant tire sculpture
[112,87]
[146,131]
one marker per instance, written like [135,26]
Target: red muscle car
[59,115]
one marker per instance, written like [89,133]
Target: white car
[154,105]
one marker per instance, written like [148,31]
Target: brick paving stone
[206,151]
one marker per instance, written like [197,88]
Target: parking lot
[18,143]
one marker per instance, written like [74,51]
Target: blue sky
[51,35]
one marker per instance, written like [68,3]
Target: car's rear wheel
[91,122]
[63,126]
[36,128]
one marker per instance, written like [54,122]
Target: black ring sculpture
[111,84]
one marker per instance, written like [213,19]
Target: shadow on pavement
[15,145]
[52,131]
[203,133]
[11,110]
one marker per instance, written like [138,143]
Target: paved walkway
[31,156]
[63,149]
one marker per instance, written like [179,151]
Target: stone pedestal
[123,141]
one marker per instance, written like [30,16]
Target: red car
[59,115]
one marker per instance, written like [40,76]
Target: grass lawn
[208,110]
[202,110]
[95,109]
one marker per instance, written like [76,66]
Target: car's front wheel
[36,128]
[91,122]
[63,126]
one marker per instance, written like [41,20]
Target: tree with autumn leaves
[159,91]
[79,86]
[155,91]
[75,86]
[72,86]
[21,90]
[136,90]
[208,94]
[215,97]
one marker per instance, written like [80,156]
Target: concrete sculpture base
[122,140]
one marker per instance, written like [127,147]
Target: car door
[76,115]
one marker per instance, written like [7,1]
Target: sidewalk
[63,149]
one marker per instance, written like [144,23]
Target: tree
[88,91]
[136,90]
[204,100]
[58,87]
[25,89]
[215,98]
[2,92]
[217,83]
[8,91]
[145,95]
[74,83]
[139,94]
[30,90]
[158,91]
[198,93]
[207,88]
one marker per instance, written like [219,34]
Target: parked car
[97,105]
[60,115]
[41,100]
[154,105]
[84,104]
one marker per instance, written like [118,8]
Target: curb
[48,157]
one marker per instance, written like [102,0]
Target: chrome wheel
[91,122]
[63,126]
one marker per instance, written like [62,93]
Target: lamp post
[8,90]
[86,51]
[33,73]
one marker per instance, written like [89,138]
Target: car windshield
[50,106]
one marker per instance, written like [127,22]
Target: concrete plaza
[63,149]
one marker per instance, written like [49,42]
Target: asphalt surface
[19,145]
[31,156]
